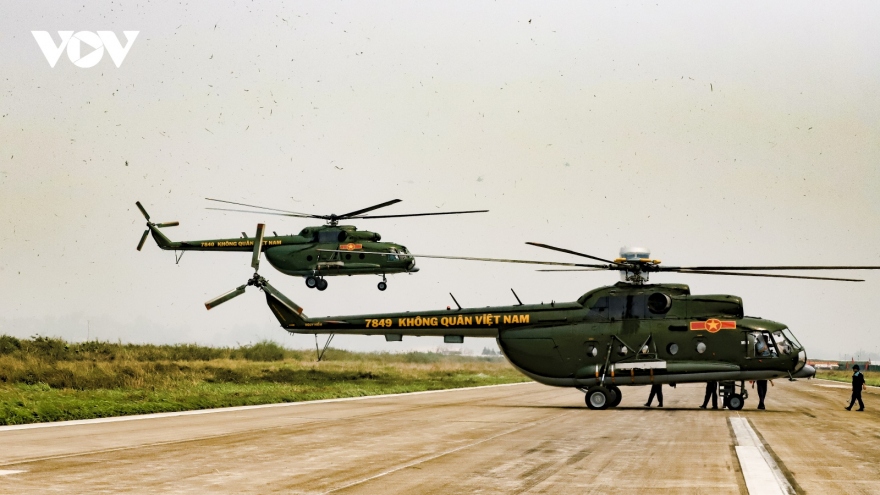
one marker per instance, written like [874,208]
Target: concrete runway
[525,438]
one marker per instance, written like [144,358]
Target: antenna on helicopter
[456,302]
[516,296]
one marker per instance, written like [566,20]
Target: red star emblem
[712,325]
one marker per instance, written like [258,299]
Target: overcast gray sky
[712,132]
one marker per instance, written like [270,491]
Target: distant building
[824,365]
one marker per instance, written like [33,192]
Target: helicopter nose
[806,372]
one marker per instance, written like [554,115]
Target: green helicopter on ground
[630,333]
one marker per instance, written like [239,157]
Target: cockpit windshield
[782,343]
[392,256]
[790,337]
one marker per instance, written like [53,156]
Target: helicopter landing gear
[730,398]
[735,402]
[616,394]
[316,283]
[598,397]
[382,285]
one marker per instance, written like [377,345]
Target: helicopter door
[749,341]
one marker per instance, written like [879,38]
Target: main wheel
[735,402]
[311,282]
[322,284]
[616,394]
[382,286]
[598,397]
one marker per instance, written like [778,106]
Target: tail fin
[288,313]
[160,238]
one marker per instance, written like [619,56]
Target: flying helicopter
[314,253]
[630,333]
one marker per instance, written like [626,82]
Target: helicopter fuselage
[618,335]
[310,252]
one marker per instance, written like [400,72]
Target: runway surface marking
[760,471]
[136,417]
[7,472]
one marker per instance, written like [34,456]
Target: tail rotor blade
[147,216]
[143,239]
[167,224]
[225,297]
[258,246]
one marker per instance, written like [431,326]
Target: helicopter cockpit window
[392,256]
[763,344]
[790,336]
[599,308]
[782,343]
[630,306]
[329,236]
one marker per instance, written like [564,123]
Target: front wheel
[735,402]
[382,286]
[598,398]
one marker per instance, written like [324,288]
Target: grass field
[47,379]
[871,377]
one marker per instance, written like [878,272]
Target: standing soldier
[656,389]
[858,384]
[762,391]
[711,391]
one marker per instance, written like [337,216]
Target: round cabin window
[672,348]
[701,347]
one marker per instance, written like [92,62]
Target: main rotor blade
[225,297]
[262,208]
[143,239]
[787,267]
[167,224]
[258,246]
[371,208]
[712,272]
[575,270]
[138,203]
[298,215]
[563,250]
[367,217]
[500,260]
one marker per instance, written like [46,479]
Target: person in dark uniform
[711,391]
[762,391]
[858,384]
[656,389]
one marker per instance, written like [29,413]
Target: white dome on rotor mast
[633,253]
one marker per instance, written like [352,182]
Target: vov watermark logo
[97,42]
